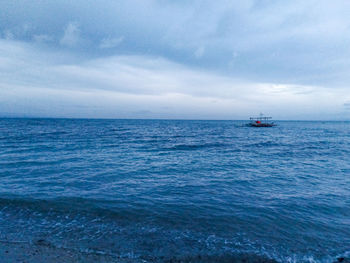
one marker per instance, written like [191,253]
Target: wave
[76,224]
[64,204]
[265,144]
[193,147]
[204,258]
[33,135]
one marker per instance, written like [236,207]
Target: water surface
[158,189]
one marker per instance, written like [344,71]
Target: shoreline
[42,251]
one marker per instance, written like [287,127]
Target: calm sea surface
[187,190]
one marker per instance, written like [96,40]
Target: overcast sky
[180,59]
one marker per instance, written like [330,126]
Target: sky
[175,59]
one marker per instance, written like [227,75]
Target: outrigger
[261,122]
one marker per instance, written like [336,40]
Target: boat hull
[261,124]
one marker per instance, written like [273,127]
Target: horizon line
[159,119]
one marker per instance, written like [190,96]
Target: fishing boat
[261,122]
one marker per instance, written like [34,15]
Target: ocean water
[185,191]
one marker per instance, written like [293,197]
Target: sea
[178,190]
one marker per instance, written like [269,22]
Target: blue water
[158,190]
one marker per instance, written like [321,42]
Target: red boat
[261,122]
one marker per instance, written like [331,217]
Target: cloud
[42,38]
[347,105]
[8,35]
[111,42]
[199,52]
[46,83]
[71,35]
[254,54]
